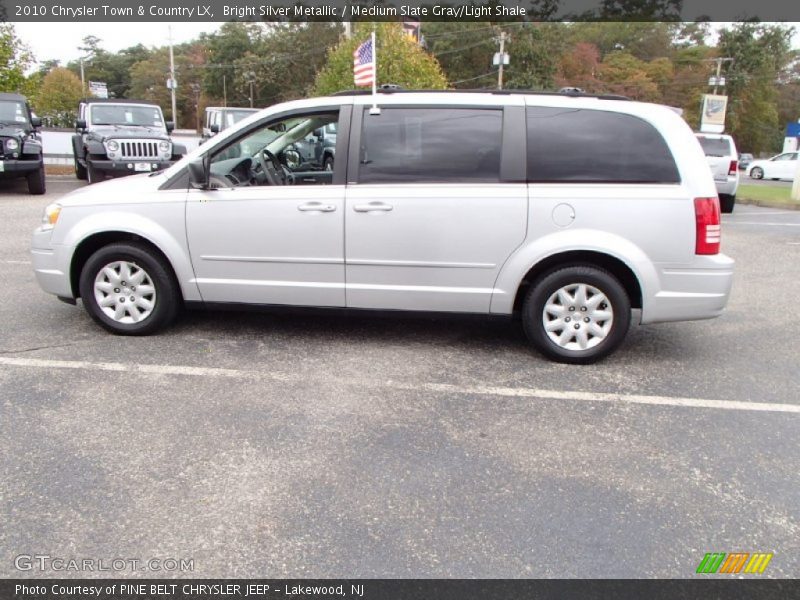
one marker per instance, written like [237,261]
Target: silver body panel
[439,247]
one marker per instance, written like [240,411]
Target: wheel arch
[626,276]
[90,244]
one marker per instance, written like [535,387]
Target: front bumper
[14,167]
[51,264]
[699,291]
[120,168]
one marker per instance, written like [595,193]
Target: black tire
[167,298]
[540,292]
[36,182]
[93,175]
[757,173]
[726,203]
[80,171]
[328,164]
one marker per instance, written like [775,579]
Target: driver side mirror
[214,128]
[36,122]
[170,125]
[198,173]
[80,124]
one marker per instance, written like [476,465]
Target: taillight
[733,168]
[706,215]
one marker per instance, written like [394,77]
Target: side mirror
[80,124]
[318,133]
[198,173]
[170,126]
[214,128]
[36,122]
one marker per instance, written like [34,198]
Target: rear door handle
[373,207]
[316,207]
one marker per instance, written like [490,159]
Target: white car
[723,159]
[577,213]
[782,166]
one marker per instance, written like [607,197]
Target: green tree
[58,98]
[400,61]
[761,56]
[15,58]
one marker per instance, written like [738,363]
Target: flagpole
[374,110]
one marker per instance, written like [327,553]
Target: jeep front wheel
[93,174]
[80,171]
[36,182]
[129,290]
[577,314]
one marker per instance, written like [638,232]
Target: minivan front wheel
[128,290]
[576,314]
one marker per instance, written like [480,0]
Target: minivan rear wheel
[129,290]
[577,314]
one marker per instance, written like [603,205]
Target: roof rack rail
[567,92]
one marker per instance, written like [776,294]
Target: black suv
[20,144]
[121,137]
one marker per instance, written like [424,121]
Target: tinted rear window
[715,146]
[407,145]
[594,146]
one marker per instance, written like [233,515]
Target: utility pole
[83,78]
[717,79]
[172,82]
[502,60]
[348,29]
[224,91]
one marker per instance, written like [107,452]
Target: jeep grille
[132,149]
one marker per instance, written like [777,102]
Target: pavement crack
[23,350]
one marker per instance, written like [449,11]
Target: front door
[267,231]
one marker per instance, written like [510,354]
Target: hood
[11,130]
[122,190]
[121,132]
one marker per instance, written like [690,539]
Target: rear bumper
[700,291]
[729,186]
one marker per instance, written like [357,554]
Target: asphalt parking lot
[311,446]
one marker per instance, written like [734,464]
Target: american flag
[364,64]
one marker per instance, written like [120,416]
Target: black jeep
[121,137]
[20,143]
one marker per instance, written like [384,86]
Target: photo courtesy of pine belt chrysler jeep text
[571,211]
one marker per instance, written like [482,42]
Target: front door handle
[372,207]
[316,207]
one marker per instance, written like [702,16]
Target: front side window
[431,145]
[13,112]
[571,145]
[283,152]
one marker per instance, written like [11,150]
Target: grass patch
[59,170]
[767,193]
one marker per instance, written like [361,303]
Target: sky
[61,40]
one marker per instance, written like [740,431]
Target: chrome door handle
[373,206]
[316,207]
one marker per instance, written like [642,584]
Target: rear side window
[431,145]
[594,146]
[715,146]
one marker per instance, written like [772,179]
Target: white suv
[566,210]
[723,159]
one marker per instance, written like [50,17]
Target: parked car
[720,151]
[121,137]
[219,118]
[20,143]
[782,166]
[318,149]
[745,159]
[576,213]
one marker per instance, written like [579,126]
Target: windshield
[234,116]
[127,114]
[715,146]
[13,112]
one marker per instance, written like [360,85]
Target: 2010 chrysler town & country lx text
[569,210]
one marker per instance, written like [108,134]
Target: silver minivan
[576,213]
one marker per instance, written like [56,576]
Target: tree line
[244,63]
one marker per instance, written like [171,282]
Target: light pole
[172,84]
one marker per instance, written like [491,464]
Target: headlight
[165,147]
[51,214]
[112,145]
[12,144]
